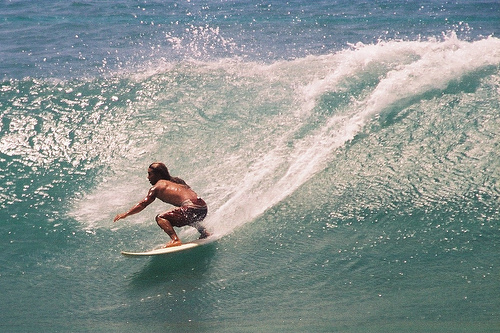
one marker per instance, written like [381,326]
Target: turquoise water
[348,152]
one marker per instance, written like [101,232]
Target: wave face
[353,187]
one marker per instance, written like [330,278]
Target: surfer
[190,209]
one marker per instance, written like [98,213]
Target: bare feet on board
[173,243]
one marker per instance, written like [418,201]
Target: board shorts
[188,213]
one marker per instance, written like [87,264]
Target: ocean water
[348,151]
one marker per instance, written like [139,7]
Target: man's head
[157,171]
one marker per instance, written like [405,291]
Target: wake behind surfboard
[185,246]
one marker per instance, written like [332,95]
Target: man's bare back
[172,193]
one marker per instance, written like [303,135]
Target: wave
[245,135]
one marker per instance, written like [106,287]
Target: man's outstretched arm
[138,207]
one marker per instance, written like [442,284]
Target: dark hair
[161,170]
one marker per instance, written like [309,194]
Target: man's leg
[167,227]
[201,229]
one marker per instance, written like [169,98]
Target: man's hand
[119,217]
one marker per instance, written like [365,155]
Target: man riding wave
[190,209]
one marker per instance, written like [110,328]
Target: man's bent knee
[162,222]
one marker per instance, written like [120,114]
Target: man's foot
[173,243]
[204,234]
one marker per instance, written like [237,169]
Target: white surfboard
[166,250]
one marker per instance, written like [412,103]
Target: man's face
[152,177]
